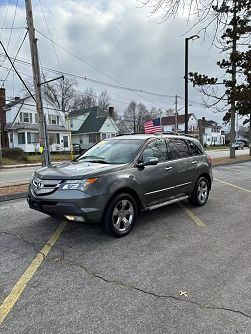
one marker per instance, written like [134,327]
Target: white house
[212,133]
[91,125]
[168,124]
[22,125]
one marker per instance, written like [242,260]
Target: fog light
[75,218]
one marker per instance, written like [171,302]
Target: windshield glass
[116,151]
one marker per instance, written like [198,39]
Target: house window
[103,136]
[53,120]
[71,123]
[36,118]
[94,138]
[32,138]
[26,117]
[21,138]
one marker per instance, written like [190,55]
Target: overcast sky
[118,39]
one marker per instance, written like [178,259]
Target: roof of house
[210,124]
[30,126]
[93,122]
[170,120]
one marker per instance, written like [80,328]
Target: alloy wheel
[123,214]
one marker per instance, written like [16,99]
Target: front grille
[43,187]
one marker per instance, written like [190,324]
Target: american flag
[153,126]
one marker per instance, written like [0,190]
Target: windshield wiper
[98,161]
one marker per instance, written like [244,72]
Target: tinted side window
[178,148]
[157,149]
[195,150]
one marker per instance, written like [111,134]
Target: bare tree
[134,117]
[86,99]
[104,100]
[60,93]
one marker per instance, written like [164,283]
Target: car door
[157,181]
[185,165]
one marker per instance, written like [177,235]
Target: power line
[98,70]
[16,71]
[55,51]
[15,57]
[6,13]
[12,24]
[77,76]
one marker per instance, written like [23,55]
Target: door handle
[194,162]
[168,168]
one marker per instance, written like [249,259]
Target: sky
[110,41]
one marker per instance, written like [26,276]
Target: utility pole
[42,130]
[233,70]
[176,115]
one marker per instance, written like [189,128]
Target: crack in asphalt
[119,283]
[32,244]
[153,294]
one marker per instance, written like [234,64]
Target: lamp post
[186,79]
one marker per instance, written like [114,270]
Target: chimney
[3,117]
[203,121]
[111,112]
[17,98]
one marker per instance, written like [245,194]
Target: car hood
[75,170]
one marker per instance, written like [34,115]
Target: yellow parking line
[232,185]
[193,217]
[19,287]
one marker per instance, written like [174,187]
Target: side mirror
[150,161]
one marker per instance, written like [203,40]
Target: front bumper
[71,203]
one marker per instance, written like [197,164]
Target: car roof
[147,136]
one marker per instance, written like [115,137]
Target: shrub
[14,153]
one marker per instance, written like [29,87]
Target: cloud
[121,41]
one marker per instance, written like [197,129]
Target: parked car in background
[76,148]
[244,141]
[119,177]
[238,145]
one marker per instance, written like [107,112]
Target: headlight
[32,177]
[78,184]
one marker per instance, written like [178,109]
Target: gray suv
[119,177]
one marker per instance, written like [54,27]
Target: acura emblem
[39,185]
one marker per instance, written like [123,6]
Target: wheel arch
[125,190]
[207,176]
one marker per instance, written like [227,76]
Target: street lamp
[186,79]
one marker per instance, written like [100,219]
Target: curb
[20,166]
[11,197]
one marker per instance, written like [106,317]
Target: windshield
[116,151]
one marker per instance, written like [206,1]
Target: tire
[200,193]
[120,215]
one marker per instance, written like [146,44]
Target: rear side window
[195,150]
[178,148]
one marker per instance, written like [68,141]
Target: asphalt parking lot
[181,270]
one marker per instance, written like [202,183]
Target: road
[181,270]
[23,175]
[16,175]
